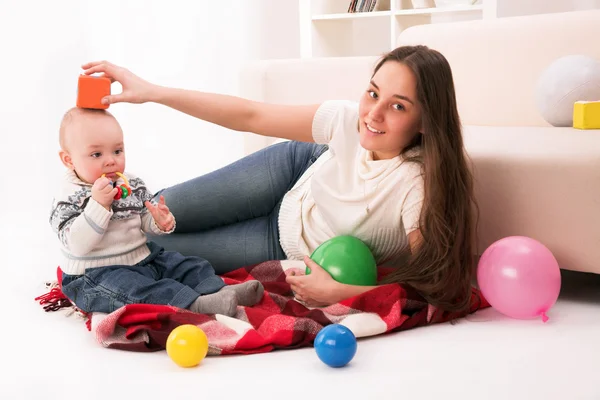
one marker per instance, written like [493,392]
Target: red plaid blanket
[277,322]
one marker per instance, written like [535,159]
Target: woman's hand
[135,89]
[317,289]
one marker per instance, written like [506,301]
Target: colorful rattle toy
[91,90]
[122,190]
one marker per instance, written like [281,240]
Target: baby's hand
[103,192]
[161,214]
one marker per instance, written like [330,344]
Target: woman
[390,170]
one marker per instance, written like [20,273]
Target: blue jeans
[229,216]
[163,277]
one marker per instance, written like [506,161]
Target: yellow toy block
[586,115]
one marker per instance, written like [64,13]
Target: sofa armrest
[302,81]
[539,182]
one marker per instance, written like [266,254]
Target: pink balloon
[519,277]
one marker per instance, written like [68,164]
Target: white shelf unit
[327,29]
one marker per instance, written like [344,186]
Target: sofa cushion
[539,182]
[496,62]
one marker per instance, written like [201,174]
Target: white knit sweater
[92,236]
[346,192]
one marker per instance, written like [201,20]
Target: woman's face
[389,115]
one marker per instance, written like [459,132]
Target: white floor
[487,356]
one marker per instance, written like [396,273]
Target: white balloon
[565,81]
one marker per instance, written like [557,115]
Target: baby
[108,261]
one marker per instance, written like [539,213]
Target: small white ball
[565,81]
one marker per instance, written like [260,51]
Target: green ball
[348,260]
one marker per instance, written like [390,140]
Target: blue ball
[335,345]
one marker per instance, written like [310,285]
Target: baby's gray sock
[222,302]
[248,293]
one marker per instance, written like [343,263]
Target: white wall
[192,44]
[275,28]
[197,45]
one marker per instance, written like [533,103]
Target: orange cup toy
[91,90]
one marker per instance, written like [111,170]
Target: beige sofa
[532,179]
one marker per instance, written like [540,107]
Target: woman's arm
[342,291]
[236,113]
[281,121]
[320,289]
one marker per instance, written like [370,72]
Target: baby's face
[95,145]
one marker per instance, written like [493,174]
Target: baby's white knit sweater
[92,236]
[346,192]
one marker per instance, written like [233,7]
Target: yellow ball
[187,345]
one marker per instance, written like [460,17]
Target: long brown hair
[442,265]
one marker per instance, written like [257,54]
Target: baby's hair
[70,115]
